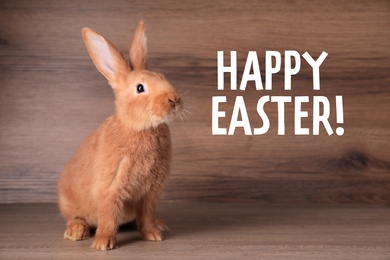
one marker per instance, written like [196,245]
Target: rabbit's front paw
[76,229]
[104,243]
[152,235]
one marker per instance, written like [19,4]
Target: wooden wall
[51,95]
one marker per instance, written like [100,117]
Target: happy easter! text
[273,63]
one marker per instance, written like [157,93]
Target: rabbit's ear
[138,49]
[106,57]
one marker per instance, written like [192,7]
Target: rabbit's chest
[144,150]
[146,161]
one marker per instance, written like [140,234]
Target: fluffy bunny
[119,170]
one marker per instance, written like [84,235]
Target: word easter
[252,64]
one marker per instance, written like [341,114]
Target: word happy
[273,64]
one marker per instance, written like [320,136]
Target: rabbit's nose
[174,103]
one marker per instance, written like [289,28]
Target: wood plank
[52,96]
[211,230]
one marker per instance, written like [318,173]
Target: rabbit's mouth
[167,111]
[173,111]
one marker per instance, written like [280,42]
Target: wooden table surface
[211,231]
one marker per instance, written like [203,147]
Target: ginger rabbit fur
[120,169]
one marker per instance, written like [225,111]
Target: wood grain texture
[211,231]
[52,96]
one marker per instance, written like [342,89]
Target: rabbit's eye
[140,88]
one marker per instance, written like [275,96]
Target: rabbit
[120,169]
